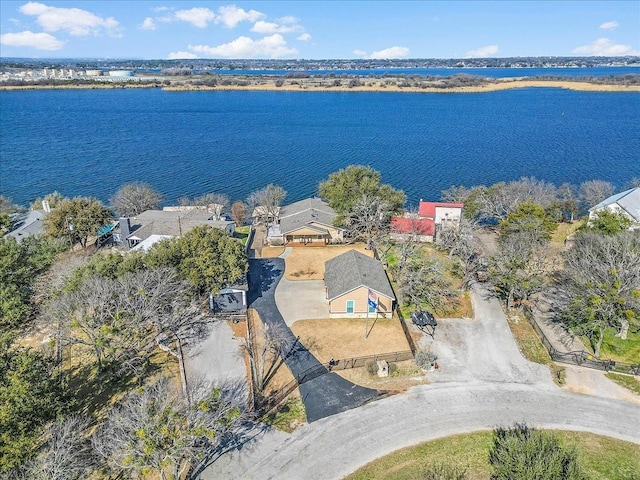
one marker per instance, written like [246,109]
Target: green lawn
[602,458]
[242,233]
[627,351]
[627,381]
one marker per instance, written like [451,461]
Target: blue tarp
[106,229]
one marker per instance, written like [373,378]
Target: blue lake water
[89,142]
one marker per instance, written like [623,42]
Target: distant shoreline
[304,85]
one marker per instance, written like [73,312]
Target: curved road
[325,395]
[483,382]
[338,445]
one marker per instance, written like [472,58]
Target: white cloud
[288,20]
[181,55]
[486,51]
[270,27]
[199,17]
[273,46]
[40,41]
[148,24]
[360,53]
[305,37]
[606,48]
[73,20]
[231,15]
[609,25]
[228,15]
[387,53]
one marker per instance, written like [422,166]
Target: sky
[183,29]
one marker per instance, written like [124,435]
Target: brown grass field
[344,338]
[307,263]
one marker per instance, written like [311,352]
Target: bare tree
[368,220]
[462,242]
[595,191]
[134,198]
[601,281]
[215,203]
[499,200]
[66,454]
[455,194]
[266,202]
[154,429]
[239,213]
[519,268]
[421,280]
[266,352]
[122,320]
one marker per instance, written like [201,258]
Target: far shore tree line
[111,412]
[185,76]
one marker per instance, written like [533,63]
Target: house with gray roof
[155,225]
[26,224]
[626,203]
[357,286]
[307,222]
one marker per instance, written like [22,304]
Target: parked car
[422,318]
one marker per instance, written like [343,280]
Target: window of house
[351,306]
[371,308]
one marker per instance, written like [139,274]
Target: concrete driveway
[301,300]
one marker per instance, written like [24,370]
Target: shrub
[523,453]
[425,359]
[372,368]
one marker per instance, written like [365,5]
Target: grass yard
[627,381]
[288,417]
[528,342]
[531,347]
[344,338]
[627,351]
[603,458]
[307,263]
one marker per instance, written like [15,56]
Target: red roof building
[416,226]
[430,214]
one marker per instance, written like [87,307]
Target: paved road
[333,447]
[483,382]
[325,395]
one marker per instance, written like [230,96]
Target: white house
[626,203]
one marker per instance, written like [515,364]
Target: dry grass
[307,263]
[283,375]
[407,375]
[271,252]
[344,338]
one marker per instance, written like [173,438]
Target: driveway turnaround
[325,395]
